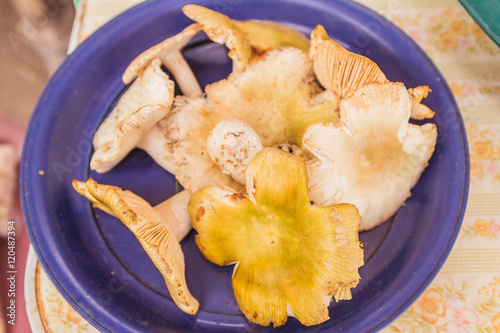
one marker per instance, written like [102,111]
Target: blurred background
[33,42]
[34,37]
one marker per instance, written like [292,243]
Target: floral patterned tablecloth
[465,295]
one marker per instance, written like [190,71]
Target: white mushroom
[133,124]
[375,158]
[146,102]
[169,51]
[231,146]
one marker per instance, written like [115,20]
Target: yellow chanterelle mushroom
[291,258]
[152,232]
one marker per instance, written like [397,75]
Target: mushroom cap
[375,158]
[339,70]
[81,188]
[247,40]
[231,146]
[274,96]
[153,234]
[160,50]
[291,258]
[222,30]
[147,101]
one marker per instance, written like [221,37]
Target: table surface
[465,295]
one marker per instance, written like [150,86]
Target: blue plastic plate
[100,268]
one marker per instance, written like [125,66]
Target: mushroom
[275,96]
[286,100]
[146,102]
[290,258]
[246,40]
[339,70]
[220,29]
[374,158]
[265,36]
[418,110]
[231,145]
[154,235]
[169,53]
[173,210]
[133,124]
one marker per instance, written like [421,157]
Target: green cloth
[487,14]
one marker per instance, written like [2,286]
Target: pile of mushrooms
[283,162]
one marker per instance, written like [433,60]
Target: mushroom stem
[153,143]
[184,76]
[174,209]
[174,212]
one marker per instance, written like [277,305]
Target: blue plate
[100,268]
